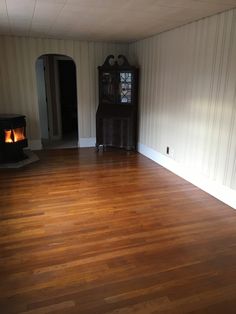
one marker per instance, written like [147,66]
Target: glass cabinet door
[125,87]
[108,87]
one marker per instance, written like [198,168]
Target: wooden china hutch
[116,118]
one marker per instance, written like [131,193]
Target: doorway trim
[57,57]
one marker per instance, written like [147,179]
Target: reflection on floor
[68,141]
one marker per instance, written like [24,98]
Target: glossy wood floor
[112,233]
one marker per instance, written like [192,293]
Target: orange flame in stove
[14,135]
[8,138]
[18,134]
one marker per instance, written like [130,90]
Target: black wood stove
[12,138]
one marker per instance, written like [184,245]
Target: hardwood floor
[112,232]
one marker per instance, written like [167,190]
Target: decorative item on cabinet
[116,117]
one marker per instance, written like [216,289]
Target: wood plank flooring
[82,232]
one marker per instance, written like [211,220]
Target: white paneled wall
[187,91]
[188,96]
[18,88]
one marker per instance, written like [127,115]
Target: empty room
[117,156]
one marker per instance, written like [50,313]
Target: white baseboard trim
[34,144]
[87,142]
[221,192]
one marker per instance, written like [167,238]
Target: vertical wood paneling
[188,95]
[18,88]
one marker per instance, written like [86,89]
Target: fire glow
[15,135]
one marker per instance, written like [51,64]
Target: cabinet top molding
[112,62]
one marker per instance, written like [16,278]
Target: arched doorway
[57,100]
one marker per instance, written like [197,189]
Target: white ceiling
[102,20]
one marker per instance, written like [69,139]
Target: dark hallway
[68,97]
[57,92]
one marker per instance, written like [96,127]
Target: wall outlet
[170,151]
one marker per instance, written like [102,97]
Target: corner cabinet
[116,117]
